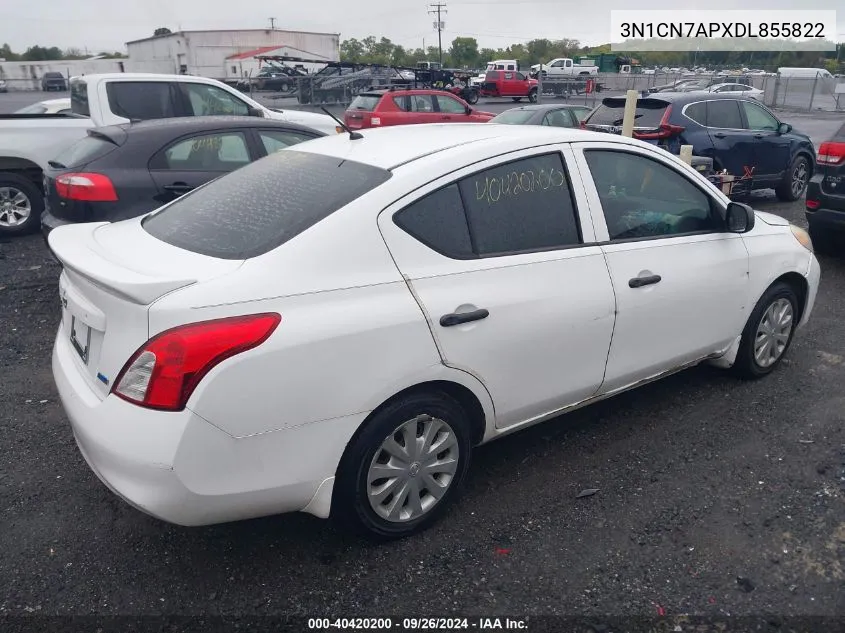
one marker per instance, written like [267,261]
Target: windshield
[257,208]
[513,117]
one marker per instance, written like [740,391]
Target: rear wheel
[472,97]
[404,468]
[768,333]
[21,204]
[794,182]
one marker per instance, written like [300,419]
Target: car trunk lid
[359,110]
[651,121]
[111,274]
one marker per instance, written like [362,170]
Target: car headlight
[802,236]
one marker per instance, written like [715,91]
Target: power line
[437,8]
[272,24]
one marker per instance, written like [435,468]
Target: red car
[402,106]
[505,83]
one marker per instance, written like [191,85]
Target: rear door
[502,258]
[194,160]
[732,144]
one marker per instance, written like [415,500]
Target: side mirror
[468,110]
[739,217]
[784,128]
[251,111]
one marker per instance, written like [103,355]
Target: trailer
[570,86]
[612,63]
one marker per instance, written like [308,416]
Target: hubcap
[15,207]
[773,333]
[799,178]
[412,469]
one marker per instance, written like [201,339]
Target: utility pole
[272,24]
[437,9]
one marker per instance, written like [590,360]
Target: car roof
[410,91]
[548,106]
[199,123]
[394,146]
[677,97]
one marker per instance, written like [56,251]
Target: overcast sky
[98,25]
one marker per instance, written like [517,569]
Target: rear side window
[649,113]
[85,151]
[251,211]
[79,97]
[367,103]
[142,101]
[521,206]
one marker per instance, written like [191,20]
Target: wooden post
[686,154]
[630,112]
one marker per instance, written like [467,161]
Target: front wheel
[768,333]
[532,96]
[404,468]
[795,180]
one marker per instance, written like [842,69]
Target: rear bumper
[50,222]
[179,468]
[830,213]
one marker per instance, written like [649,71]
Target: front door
[771,149]
[451,110]
[502,259]
[680,279]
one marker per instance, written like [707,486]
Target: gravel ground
[715,497]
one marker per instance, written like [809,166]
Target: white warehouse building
[207,53]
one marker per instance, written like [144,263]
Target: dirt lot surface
[715,497]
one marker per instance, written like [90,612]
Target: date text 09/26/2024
[418,624]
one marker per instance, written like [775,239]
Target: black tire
[532,96]
[516,99]
[823,241]
[351,506]
[35,198]
[790,189]
[472,97]
[746,365]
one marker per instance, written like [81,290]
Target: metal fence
[788,93]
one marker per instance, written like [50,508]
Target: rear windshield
[513,117]
[259,207]
[79,97]
[85,151]
[365,102]
[649,113]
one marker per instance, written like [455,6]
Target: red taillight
[86,187]
[164,372]
[831,153]
[813,204]
[664,129]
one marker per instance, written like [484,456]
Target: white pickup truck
[564,67]
[29,141]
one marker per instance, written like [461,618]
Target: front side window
[642,198]
[206,100]
[758,118]
[220,152]
[450,105]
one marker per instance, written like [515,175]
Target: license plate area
[80,338]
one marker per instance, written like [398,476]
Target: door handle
[639,282]
[447,117]
[719,135]
[448,320]
[758,136]
[178,187]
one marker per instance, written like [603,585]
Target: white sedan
[737,90]
[334,328]
[51,106]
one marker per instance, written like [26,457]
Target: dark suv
[53,81]
[741,136]
[826,194]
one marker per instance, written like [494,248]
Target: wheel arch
[800,286]
[23,167]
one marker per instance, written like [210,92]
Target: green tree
[351,50]
[162,30]
[41,54]
[7,53]
[464,52]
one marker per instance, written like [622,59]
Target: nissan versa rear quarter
[333,328]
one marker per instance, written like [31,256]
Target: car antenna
[353,136]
